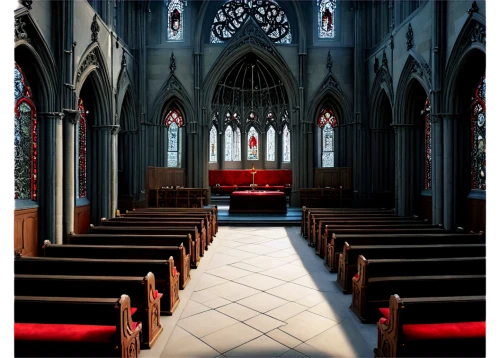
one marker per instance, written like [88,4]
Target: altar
[256,201]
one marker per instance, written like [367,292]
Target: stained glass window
[326,18]
[237,145]
[478,137]
[25,139]
[213,145]
[428,145]
[267,13]
[253,142]
[175,9]
[229,144]
[286,144]
[82,151]
[271,144]
[173,122]
[327,121]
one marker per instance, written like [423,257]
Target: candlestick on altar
[253,172]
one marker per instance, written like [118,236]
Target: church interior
[250,178]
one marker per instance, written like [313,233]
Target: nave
[263,292]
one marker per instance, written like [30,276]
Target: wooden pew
[389,229]
[355,221]
[75,327]
[433,327]
[167,222]
[336,244]
[145,299]
[192,247]
[348,259]
[181,259]
[306,212]
[377,279]
[166,279]
[315,218]
[206,216]
[213,211]
[153,230]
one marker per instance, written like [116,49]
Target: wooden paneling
[157,177]
[476,215]
[26,232]
[426,207]
[82,219]
[333,177]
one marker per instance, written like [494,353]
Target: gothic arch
[125,88]
[172,92]
[249,39]
[464,69]
[33,55]
[415,69]
[472,39]
[330,92]
[92,68]
[207,15]
[382,86]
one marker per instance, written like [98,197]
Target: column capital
[72,115]
[55,115]
[114,128]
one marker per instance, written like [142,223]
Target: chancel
[250,178]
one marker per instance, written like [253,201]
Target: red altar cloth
[254,201]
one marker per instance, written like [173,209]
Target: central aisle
[262,292]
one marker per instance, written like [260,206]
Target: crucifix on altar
[253,172]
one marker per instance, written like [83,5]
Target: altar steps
[292,218]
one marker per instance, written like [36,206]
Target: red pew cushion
[133,310]
[63,332]
[155,294]
[385,312]
[441,331]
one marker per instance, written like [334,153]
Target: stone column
[71,118]
[449,172]
[406,183]
[438,71]
[114,169]
[101,172]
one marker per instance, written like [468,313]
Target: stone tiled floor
[262,292]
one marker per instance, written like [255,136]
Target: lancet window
[25,139]
[327,120]
[478,136]
[174,123]
[175,13]
[428,145]
[326,18]
[81,129]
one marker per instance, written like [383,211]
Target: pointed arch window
[327,120]
[25,139]
[81,130]
[267,13]
[478,136]
[271,144]
[286,144]
[213,145]
[174,123]
[229,144]
[428,145]
[232,148]
[326,18]
[175,13]
[253,144]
